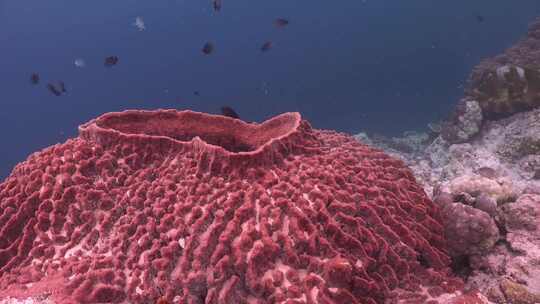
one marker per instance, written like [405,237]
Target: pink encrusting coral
[200,208]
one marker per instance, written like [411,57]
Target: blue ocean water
[382,66]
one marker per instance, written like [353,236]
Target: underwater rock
[523,237]
[506,89]
[509,83]
[464,122]
[523,215]
[443,198]
[363,138]
[409,142]
[494,165]
[191,207]
[487,204]
[469,231]
[518,293]
[523,146]
[487,172]
[529,165]
[507,147]
[501,189]
[519,136]
[473,297]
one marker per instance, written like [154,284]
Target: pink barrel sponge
[190,207]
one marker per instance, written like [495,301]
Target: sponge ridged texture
[198,208]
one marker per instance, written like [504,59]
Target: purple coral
[469,230]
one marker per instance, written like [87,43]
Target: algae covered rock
[509,83]
[502,90]
[470,231]
[464,123]
[518,293]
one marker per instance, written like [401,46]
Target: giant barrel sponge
[188,207]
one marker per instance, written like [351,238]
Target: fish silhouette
[208,48]
[229,112]
[266,46]
[34,78]
[62,86]
[111,61]
[281,22]
[53,89]
[216,5]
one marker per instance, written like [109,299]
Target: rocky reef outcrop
[498,87]
[488,189]
[510,82]
[482,167]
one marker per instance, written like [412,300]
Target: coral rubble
[498,87]
[488,189]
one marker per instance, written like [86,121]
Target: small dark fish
[217,5]
[266,46]
[228,111]
[111,61]
[62,86]
[281,22]
[53,89]
[34,78]
[208,48]
[479,18]
[196,93]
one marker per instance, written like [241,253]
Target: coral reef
[196,208]
[469,231]
[509,83]
[482,167]
[497,88]
[500,189]
[464,122]
[488,189]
